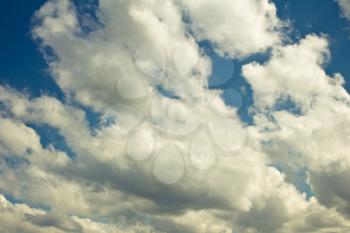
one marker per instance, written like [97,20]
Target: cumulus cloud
[167,153]
[237,28]
[296,124]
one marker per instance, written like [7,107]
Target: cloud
[237,28]
[23,218]
[301,138]
[178,162]
[291,67]
[345,7]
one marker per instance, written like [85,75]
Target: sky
[175,116]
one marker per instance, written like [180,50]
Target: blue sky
[22,65]
[262,149]
[321,17]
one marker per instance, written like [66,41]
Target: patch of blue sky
[92,117]
[227,76]
[287,104]
[51,137]
[88,16]
[296,177]
[321,17]
[15,200]
[13,161]
[21,63]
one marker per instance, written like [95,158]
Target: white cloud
[237,28]
[345,7]
[129,187]
[16,218]
[316,137]
[294,71]
[23,218]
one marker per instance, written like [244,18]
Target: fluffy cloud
[237,28]
[298,112]
[291,67]
[177,160]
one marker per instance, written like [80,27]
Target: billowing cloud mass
[167,154]
[236,28]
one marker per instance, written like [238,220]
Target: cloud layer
[167,153]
